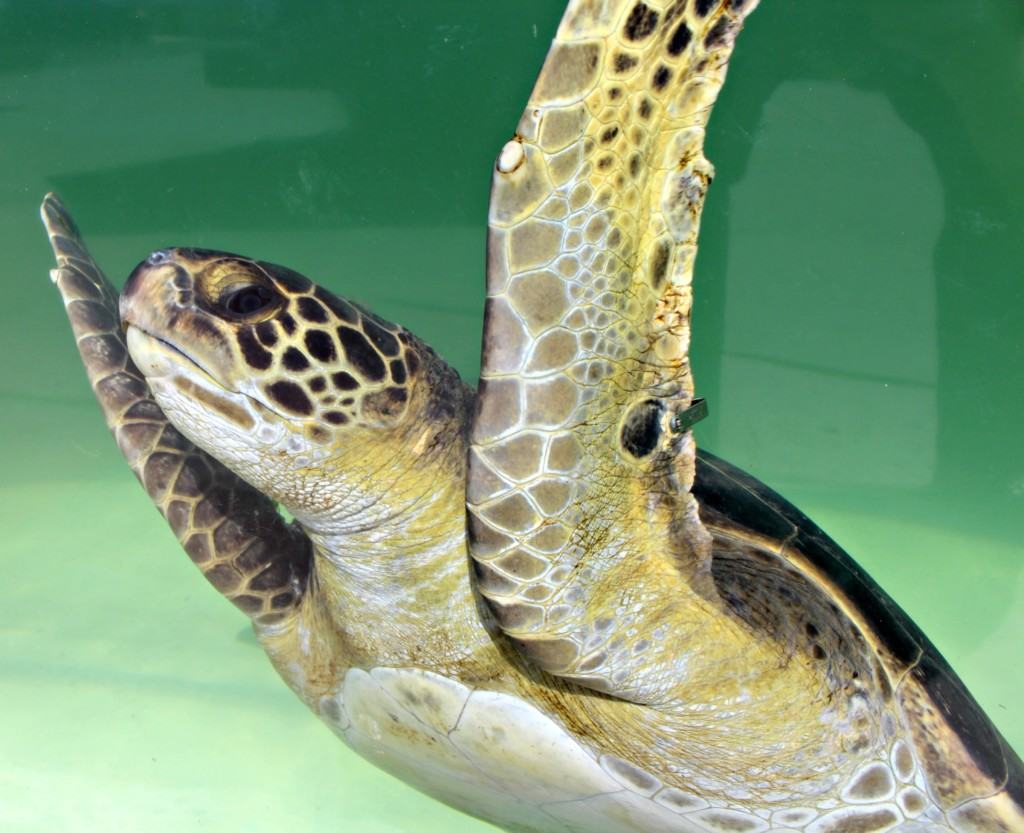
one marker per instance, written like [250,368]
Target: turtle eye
[244,301]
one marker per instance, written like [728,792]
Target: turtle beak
[158,307]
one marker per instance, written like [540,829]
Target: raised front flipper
[582,527]
[232,532]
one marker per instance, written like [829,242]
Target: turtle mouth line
[207,375]
[177,351]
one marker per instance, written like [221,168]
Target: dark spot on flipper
[382,339]
[266,333]
[397,371]
[718,33]
[661,77]
[641,429]
[321,346]
[361,354]
[615,93]
[702,7]
[336,417]
[624,62]
[644,110]
[641,22]
[255,356]
[604,163]
[291,396]
[609,134]
[318,384]
[344,381]
[294,360]
[680,39]
[817,651]
[344,310]
[312,310]
[634,165]
[659,263]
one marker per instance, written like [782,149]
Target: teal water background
[858,332]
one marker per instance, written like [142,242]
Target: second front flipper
[583,530]
[233,533]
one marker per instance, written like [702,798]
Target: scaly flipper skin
[232,532]
[581,522]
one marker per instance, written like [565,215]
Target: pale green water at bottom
[857,331]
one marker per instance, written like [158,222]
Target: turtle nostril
[158,257]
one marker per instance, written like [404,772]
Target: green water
[858,333]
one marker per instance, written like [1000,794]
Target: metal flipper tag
[685,420]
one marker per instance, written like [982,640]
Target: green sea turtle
[538,602]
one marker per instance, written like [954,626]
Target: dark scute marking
[384,341]
[144,409]
[318,384]
[255,355]
[248,604]
[282,600]
[397,371]
[641,22]
[680,39]
[290,396]
[659,264]
[321,345]
[360,354]
[344,381]
[159,472]
[345,311]
[287,323]
[614,93]
[661,77]
[604,163]
[737,5]
[294,359]
[312,310]
[412,362]
[385,403]
[91,316]
[289,278]
[223,577]
[198,548]
[266,333]
[702,7]
[642,428]
[634,165]
[336,417]
[624,62]
[348,400]
[275,576]
[645,109]
[717,33]
[609,134]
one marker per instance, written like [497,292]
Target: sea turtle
[538,602]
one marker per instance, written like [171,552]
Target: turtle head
[301,393]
